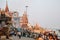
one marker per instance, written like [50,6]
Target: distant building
[5,12]
[5,16]
[38,29]
[14,15]
[24,20]
[16,19]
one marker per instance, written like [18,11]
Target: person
[19,34]
[15,32]
[40,38]
[51,37]
[56,38]
[11,32]
[46,38]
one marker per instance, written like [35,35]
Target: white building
[16,19]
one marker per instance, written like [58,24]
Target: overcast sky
[44,12]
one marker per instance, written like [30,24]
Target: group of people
[47,36]
[41,36]
[15,33]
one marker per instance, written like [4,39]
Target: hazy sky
[44,12]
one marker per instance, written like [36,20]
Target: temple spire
[6,8]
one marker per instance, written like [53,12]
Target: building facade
[24,20]
[16,20]
[5,12]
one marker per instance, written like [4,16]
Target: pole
[26,8]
